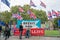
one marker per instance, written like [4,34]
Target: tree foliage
[40,14]
[6,16]
[55,22]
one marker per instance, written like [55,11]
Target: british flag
[32,15]
[21,9]
[49,15]
[58,13]
[19,17]
[14,15]
[29,11]
[54,13]
[43,4]
[32,4]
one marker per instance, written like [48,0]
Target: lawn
[52,33]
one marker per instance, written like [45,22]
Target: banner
[37,32]
[29,23]
[33,32]
[58,23]
[35,29]
[17,33]
[2,23]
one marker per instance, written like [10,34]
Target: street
[32,38]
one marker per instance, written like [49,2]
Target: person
[20,30]
[27,35]
[7,32]
[0,30]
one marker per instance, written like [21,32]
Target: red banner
[33,32]
[16,32]
[37,32]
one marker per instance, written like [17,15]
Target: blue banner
[29,23]
[58,23]
[2,23]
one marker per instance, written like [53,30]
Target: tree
[26,7]
[55,22]
[15,9]
[40,14]
[6,16]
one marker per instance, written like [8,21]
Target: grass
[52,33]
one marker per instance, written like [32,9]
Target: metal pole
[0,5]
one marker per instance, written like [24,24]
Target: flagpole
[0,9]
[0,5]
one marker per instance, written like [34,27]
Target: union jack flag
[21,9]
[54,13]
[19,17]
[32,15]
[42,4]
[29,11]
[32,4]
[49,15]
[58,13]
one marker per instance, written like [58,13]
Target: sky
[50,4]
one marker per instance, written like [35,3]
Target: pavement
[31,38]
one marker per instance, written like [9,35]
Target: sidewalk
[32,38]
